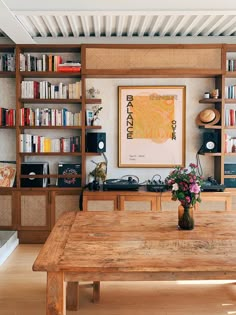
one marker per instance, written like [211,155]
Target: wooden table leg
[96,291]
[55,303]
[72,296]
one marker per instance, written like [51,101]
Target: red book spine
[232,117]
[68,69]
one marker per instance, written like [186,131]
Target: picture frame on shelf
[89,117]
[7,173]
[152,126]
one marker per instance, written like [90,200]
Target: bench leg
[96,291]
[72,296]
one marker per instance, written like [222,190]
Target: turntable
[121,184]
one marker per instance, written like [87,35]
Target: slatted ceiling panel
[211,26]
[192,23]
[231,29]
[52,25]
[41,27]
[226,26]
[73,21]
[120,25]
[28,25]
[217,28]
[124,24]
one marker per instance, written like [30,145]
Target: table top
[122,241]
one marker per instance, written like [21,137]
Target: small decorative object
[92,92]
[215,93]
[100,171]
[186,187]
[96,120]
[206,95]
[89,117]
[208,116]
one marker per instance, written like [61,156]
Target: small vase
[96,121]
[185,218]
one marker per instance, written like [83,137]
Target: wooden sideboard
[150,201]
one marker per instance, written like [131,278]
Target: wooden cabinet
[149,201]
[62,201]
[34,216]
[8,209]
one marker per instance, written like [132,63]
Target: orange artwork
[152,126]
[155,122]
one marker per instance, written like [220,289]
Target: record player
[121,184]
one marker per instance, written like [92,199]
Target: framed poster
[151,126]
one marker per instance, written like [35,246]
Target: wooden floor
[22,292]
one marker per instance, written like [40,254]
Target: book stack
[230,65]
[49,117]
[7,117]
[46,90]
[7,62]
[34,143]
[69,66]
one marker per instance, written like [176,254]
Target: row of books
[46,90]
[29,62]
[230,144]
[230,117]
[49,117]
[230,91]
[32,143]
[230,65]
[7,62]
[7,117]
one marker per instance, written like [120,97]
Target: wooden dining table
[133,246]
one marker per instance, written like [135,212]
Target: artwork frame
[152,126]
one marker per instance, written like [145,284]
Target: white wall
[195,89]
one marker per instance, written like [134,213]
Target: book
[7,173]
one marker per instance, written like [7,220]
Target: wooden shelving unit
[34,210]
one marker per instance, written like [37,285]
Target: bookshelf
[33,211]
[229,130]
[50,104]
[8,148]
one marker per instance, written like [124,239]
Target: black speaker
[210,142]
[96,142]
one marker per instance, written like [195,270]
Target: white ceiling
[128,21]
